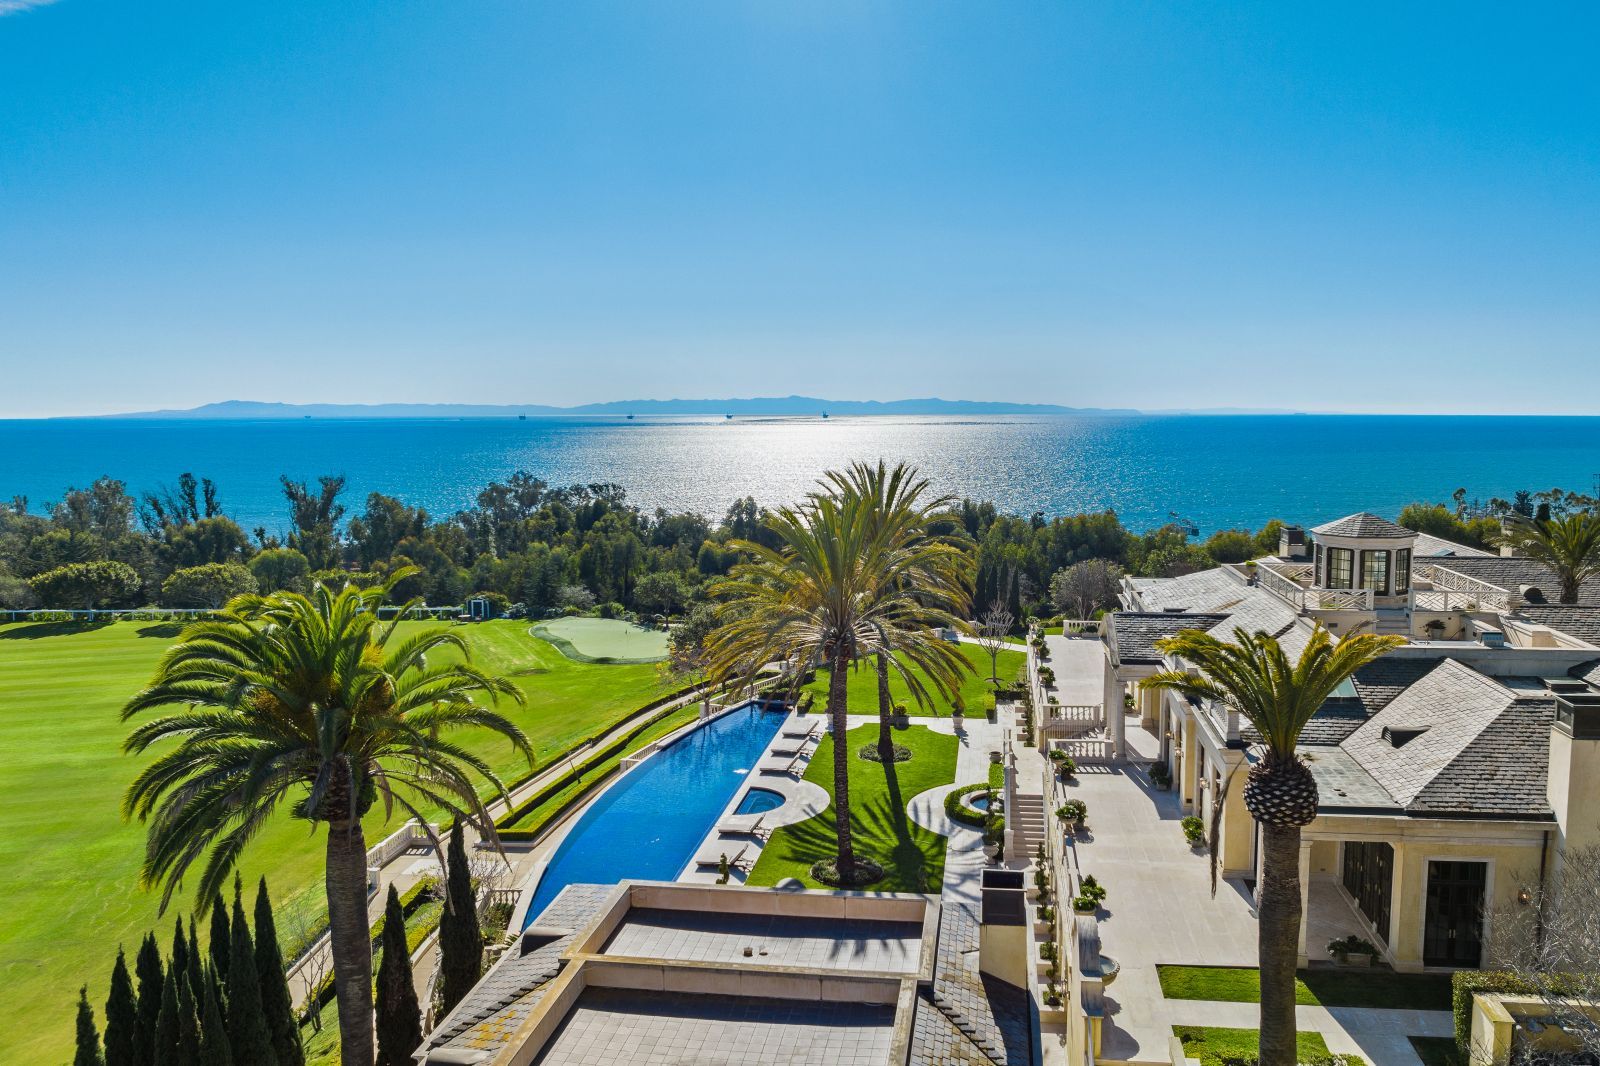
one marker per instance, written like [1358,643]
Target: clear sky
[1318,207]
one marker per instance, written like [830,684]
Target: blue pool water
[648,824]
[759,801]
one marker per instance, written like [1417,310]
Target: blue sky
[1349,207]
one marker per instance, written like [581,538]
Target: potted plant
[994,839]
[1353,950]
[1084,904]
[1160,776]
[900,719]
[1089,888]
[1065,766]
[1194,831]
[958,709]
[1073,812]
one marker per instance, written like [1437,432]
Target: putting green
[604,640]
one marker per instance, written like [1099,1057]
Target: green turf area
[1436,1050]
[612,640]
[862,688]
[1320,987]
[1211,1045]
[61,689]
[912,856]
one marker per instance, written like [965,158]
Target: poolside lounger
[744,823]
[802,729]
[712,862]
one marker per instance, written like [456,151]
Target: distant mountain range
[759,406]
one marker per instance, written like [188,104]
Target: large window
[1402,570]
[1320,575]
[1368,876]
[1341,565]
[1375,572]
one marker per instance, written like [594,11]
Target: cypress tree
[197,971]
[148,968]
[460,938]
[188,1027]
[276,1002]
[88,1053]
[399,1018]
[178,957]
[122,1017]
[165,1052]
[248,1036]
[214,1049]
[220,935]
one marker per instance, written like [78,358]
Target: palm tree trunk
[350,938]
[885,737]
[840,724]
[1279,942]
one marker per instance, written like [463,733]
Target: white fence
[1475,593]
[1082,627]
[1085,750]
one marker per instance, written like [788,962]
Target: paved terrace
[769,939]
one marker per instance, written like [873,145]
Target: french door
[1452,932]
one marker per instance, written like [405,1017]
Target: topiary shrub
[870,753]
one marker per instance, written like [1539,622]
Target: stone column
[1116,719]
[1305,895]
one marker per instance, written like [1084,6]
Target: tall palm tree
[1252,675]
[1570,546]
[906,516]
[842,584]
[308,702]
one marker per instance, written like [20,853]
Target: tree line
[550,549]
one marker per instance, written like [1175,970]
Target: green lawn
[912,857]
[1327,988]
[862,690]
[604,639]
[1211,1045]
[76,894]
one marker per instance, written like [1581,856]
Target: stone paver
[618,1027]
[1080,665]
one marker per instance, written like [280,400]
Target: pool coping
[558,832]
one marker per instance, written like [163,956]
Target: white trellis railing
[1475,592]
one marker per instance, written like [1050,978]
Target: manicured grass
[600,639]
[76,894]
[912,857]
[1436,1050]
[861,692]
[1320,987]
[1211,1045]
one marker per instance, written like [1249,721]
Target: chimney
[1003,927]
[1506,550]
[1574,768]
[1292,543]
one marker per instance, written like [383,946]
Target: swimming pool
[648,824]
[760,801]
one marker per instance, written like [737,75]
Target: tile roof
[967,1017]
[1362,524]
[1205,590]
[1448,708]
[489,1015]
[1379,682]
[1502,771]
[1429,545]
[1134,633]
[1512,573]
[1575,620]
[1258,612]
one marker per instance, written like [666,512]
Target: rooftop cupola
[1362,552]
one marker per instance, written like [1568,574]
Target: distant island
[769,406]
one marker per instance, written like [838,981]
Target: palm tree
[1254,677]
[1570,546]
[898,502]
[845,582]
[309,700]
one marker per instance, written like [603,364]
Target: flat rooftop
[608,1026]
[769,939]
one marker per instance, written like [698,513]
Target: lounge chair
[736,861]
[749,824]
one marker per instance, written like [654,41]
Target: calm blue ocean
[1218,471]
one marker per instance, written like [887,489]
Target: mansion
[1456,773]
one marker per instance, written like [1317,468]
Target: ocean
[1218,471]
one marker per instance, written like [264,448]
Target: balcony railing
[1475,593]
[1274,580]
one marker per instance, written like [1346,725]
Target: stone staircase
[1394,620]
[1027,823]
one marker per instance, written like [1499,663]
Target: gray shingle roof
[1362,524]
[1134,634]
[1512,573]
[1575,620]
[1343,784]
[1379,682]
[1216,589]
[1502,771]
[1429,545]
[967,1017]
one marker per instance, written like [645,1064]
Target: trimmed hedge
[1464,983]
[958,812]
[506,826]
